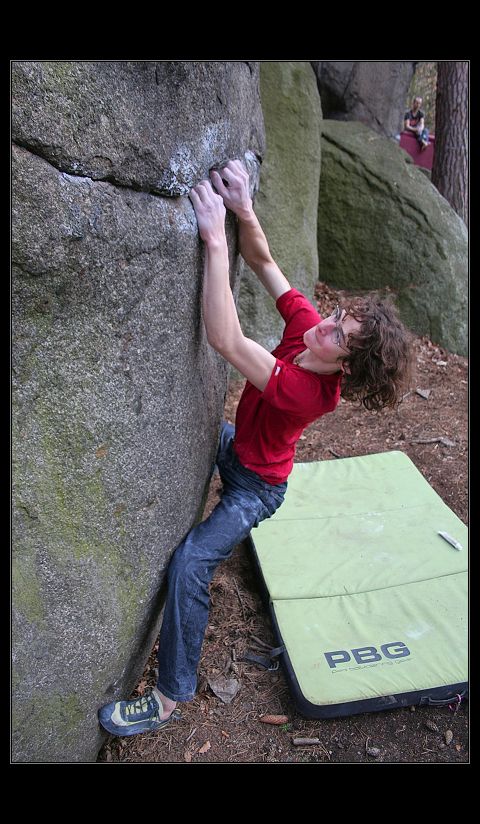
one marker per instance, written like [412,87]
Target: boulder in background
[382,224]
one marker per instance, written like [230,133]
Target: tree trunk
[450,163]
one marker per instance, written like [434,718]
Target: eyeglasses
[339,336]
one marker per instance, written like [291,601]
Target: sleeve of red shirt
[297,312]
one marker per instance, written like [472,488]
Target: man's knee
[176,566]
[186,569]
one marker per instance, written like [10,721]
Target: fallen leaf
[225,688]
[205,747]
[424,393]
[274,719]
[187,756]
[101,451]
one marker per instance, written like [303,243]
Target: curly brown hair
[378,366]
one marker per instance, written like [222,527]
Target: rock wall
[117,397]
[381,224]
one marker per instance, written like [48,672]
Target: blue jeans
[246,500]
[423,135]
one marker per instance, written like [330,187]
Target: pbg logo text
[367,655]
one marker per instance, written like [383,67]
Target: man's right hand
[210,213]
[232,183]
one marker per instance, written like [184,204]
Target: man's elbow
[214,340]
[258,262]
[222,343]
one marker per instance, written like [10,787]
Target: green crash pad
[369,601]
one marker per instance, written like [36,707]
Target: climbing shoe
[142,714]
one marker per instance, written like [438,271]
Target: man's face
[328,339]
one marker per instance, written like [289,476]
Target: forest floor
[431,427]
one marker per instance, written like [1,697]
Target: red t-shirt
[269,423]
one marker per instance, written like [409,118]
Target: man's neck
[309,361]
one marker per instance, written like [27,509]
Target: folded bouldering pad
[368,601]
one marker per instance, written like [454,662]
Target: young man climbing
[360,351]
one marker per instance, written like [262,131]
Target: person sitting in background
[414,121]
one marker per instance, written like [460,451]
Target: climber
[360,351]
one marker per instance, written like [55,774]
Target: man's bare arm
[219,312]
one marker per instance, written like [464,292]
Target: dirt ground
[431,428]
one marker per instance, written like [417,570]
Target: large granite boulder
[369,91]
[382,224]
[287,201]
[117,396]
